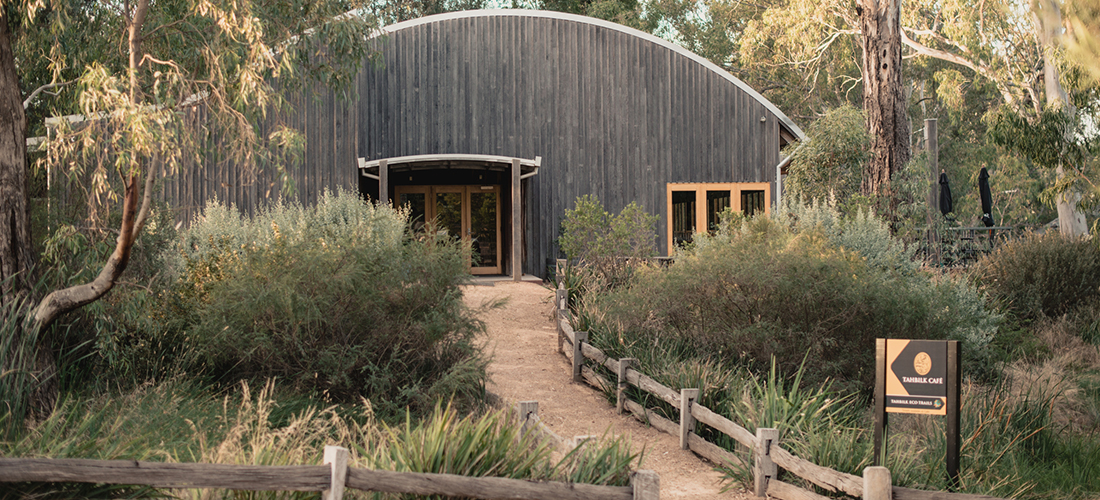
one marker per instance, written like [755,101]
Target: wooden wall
[611,111]
[329,122]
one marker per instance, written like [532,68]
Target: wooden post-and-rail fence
[768,456]
[332,478]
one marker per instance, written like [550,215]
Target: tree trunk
[1071,221]
[15,240]
[883,94]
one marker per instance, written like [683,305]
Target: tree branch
[39,90]
[977,67]
[61,301]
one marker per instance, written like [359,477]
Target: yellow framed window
[695,207]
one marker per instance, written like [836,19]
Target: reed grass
[175,422]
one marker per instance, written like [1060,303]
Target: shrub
[338,299]
[747,294]
[829,165]
[1038,275]
[607,245]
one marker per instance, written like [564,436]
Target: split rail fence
[332,478]
[767,454]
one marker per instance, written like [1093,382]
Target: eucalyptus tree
[190,71]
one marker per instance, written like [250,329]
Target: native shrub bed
[763,289]
[338,299]
[1042,275]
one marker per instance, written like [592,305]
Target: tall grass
[175,422]
[18,355]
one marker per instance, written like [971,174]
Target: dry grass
[1060,372]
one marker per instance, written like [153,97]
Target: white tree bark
[1071,221]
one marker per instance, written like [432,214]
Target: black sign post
[918,377]
[953,442]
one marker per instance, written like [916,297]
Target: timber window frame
[702,210]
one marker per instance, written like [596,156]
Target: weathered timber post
[931,142]
[763,469]
[578,355]
[525,410]
[561,303]
[620,392]
[687,422]
[517,226]
[877,484]
[384,182]
[646,484]
[337,458]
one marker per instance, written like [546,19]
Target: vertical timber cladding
[612,111]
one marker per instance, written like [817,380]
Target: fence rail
[332,478]
[767,454]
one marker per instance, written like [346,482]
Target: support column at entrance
[384,182]
[517,239]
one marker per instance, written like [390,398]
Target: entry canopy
[527,167]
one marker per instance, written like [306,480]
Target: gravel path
[526,366]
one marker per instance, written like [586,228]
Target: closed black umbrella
[945,194]
[987,197]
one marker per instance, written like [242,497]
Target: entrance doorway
[468,212]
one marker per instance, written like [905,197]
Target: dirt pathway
[527,367]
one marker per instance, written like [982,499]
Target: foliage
[18,351]
[174,422]
[1057,139]
[116,335]
[492,445]
[747,294]
[386,321]
[608,245]
[861,232]
[1041,275]
[829,164]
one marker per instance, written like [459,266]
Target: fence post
[337,457]
[763,468]
[620,393]
[526,409]
[646,484]
[877,484]
[687,422]
[561,305]
[578,355]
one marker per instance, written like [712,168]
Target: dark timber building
[494,122]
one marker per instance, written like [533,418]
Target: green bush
[747,294]
[1039,275]
[607,246]
[338,299]
[829,165]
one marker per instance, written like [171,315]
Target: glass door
[471,213]
[449,210]
[484,228]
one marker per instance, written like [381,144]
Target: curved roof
[783,119]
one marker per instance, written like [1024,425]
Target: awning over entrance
[517,168]
[373,168]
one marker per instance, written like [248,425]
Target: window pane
[717,201]
[683,216]
[752,202]
[448,213]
